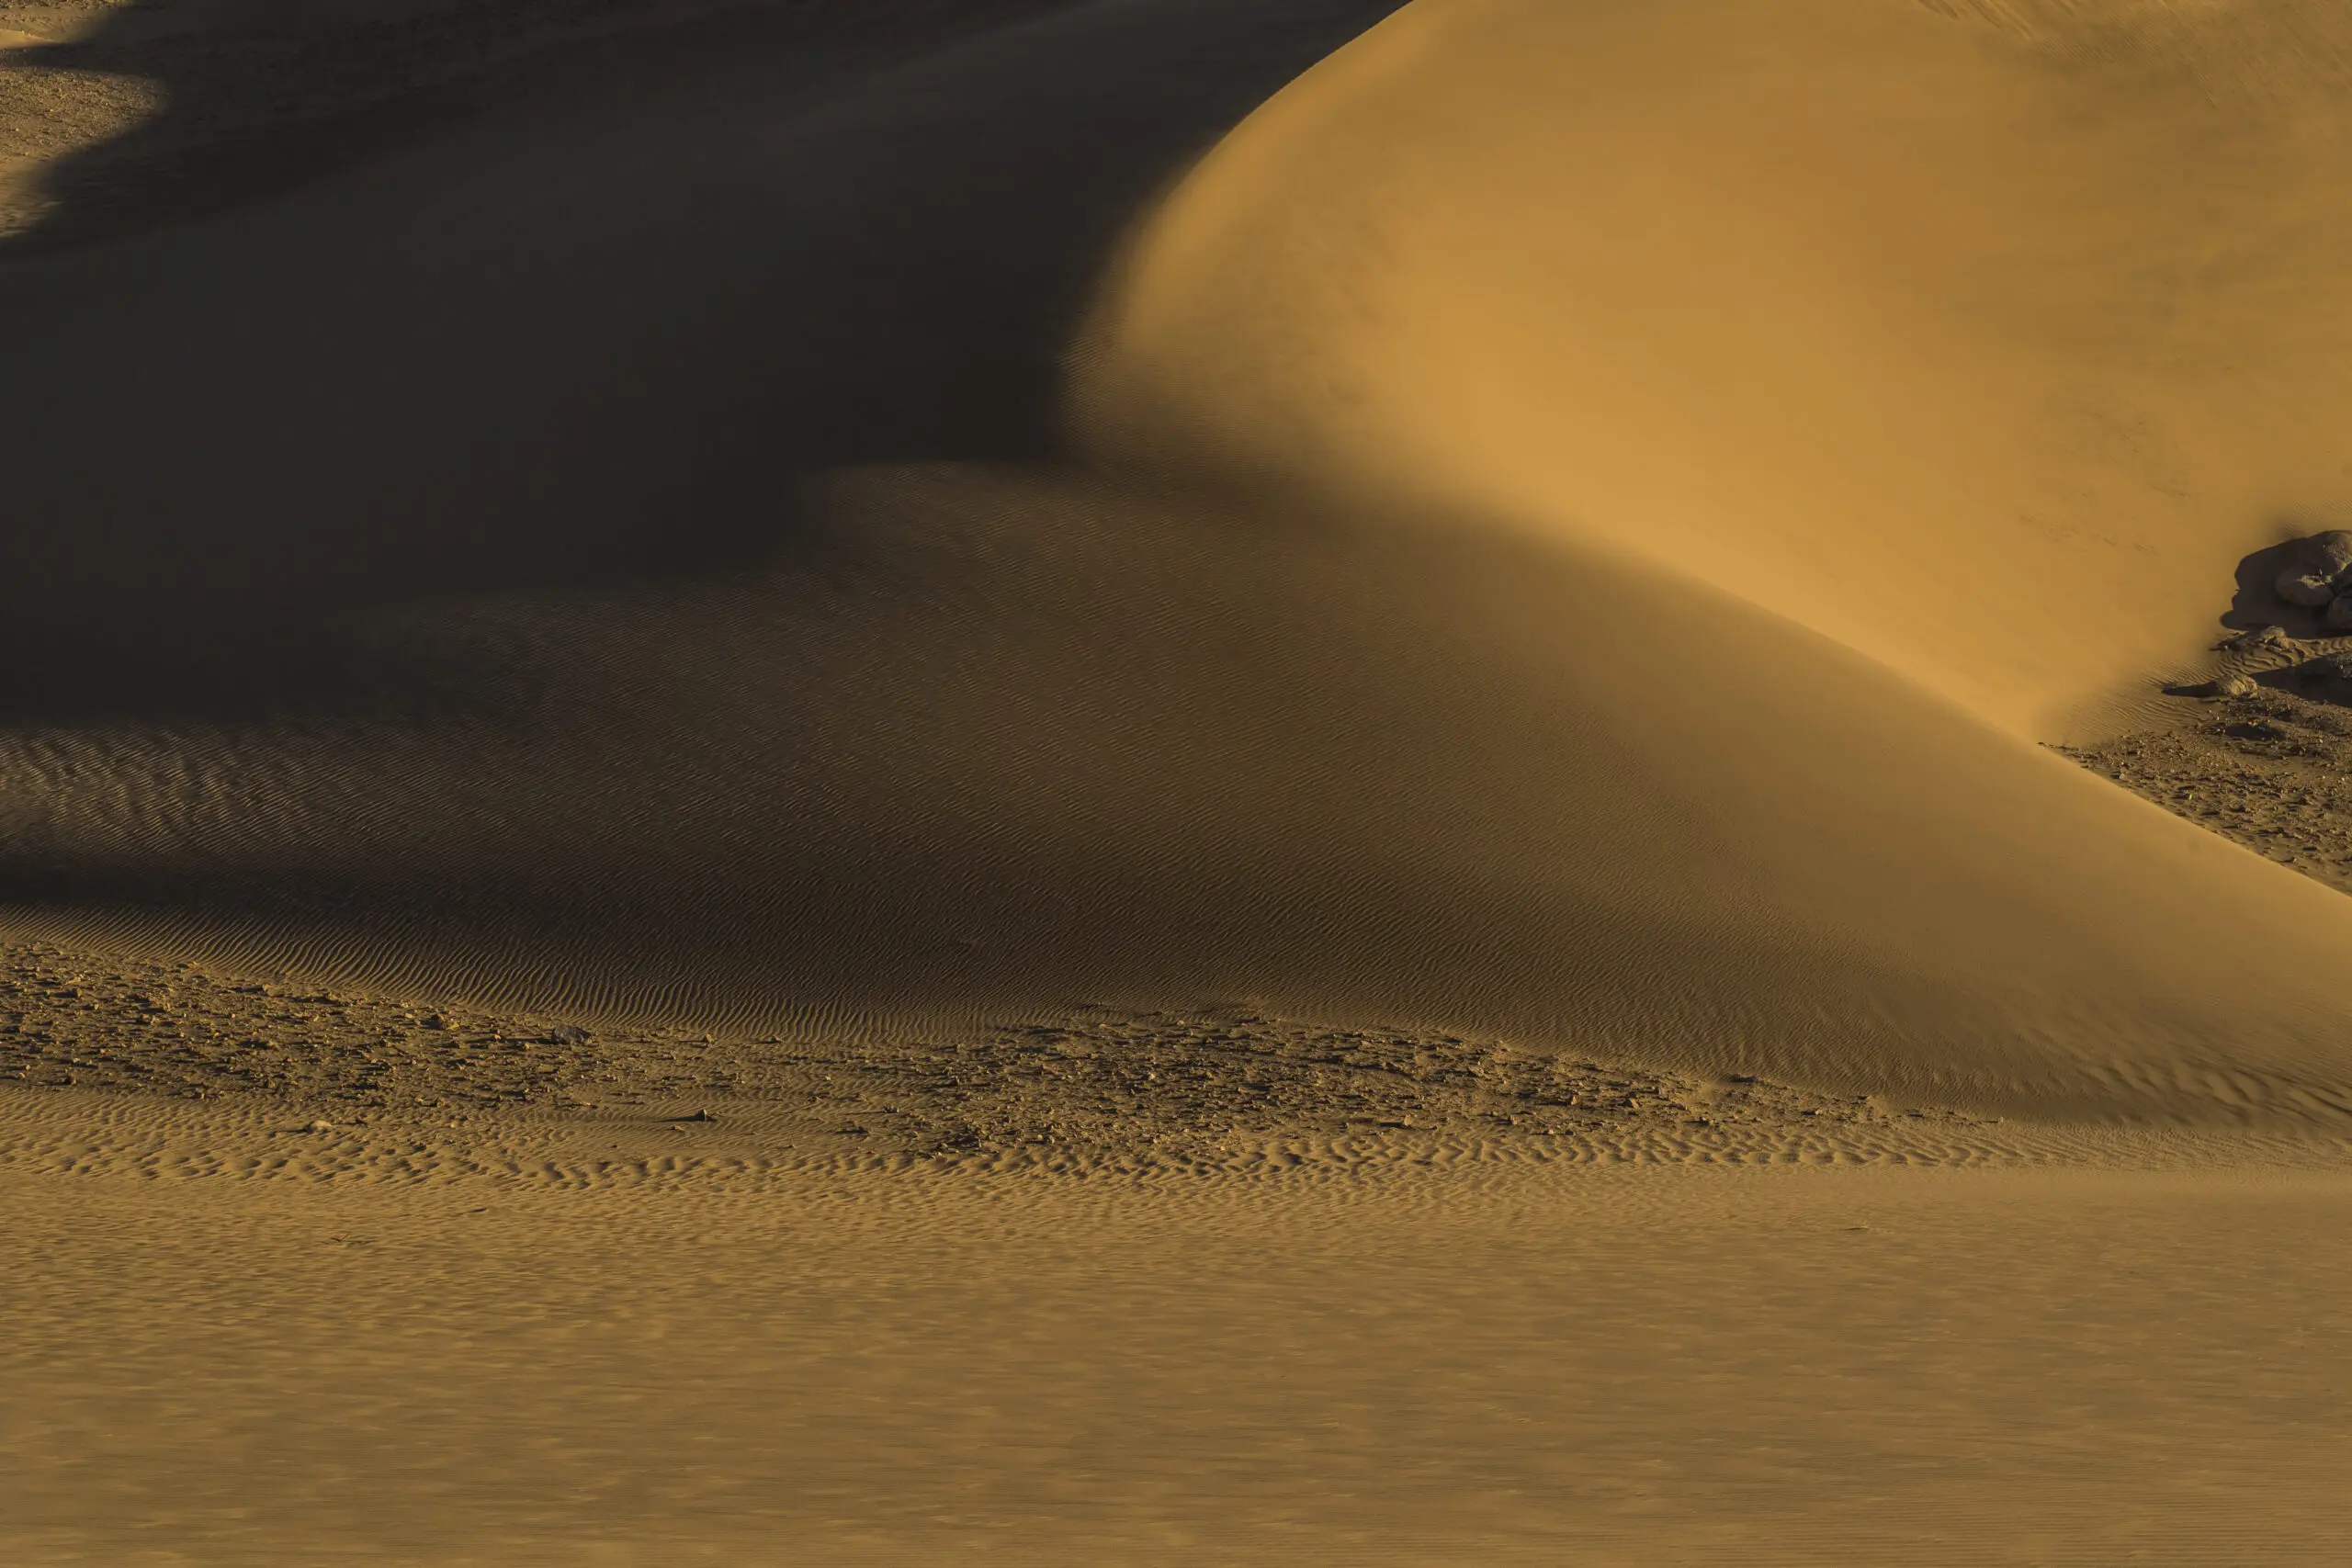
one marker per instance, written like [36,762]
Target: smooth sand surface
[1159,781]
[1981,338]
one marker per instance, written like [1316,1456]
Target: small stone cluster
[2320,580]
[2318,577]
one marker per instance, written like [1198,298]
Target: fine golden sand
[1172,781]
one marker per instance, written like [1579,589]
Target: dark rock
[2249,641]
[2300,585]
[2324,560]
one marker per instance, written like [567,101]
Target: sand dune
[1524,580]
[1171,781]
[1982,340]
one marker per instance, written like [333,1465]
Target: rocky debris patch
[1168,1080]
[2288,646]
[320,1060]
[79,1020]
[2267,762]
[2270,768]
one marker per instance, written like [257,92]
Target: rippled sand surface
[635,1349]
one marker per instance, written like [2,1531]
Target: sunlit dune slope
[1573,544]
[1983,336]
[1982,341]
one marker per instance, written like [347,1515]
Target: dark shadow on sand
[581,318]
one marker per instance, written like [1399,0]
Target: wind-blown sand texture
[807,783]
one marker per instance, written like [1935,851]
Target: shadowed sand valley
[1172,781]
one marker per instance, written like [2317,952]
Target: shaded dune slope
[1462,617]
[594,334]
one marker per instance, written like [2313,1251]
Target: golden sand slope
[1588,503]
[1983,343]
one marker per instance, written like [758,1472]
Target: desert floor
[504,1339]
[297,1277]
